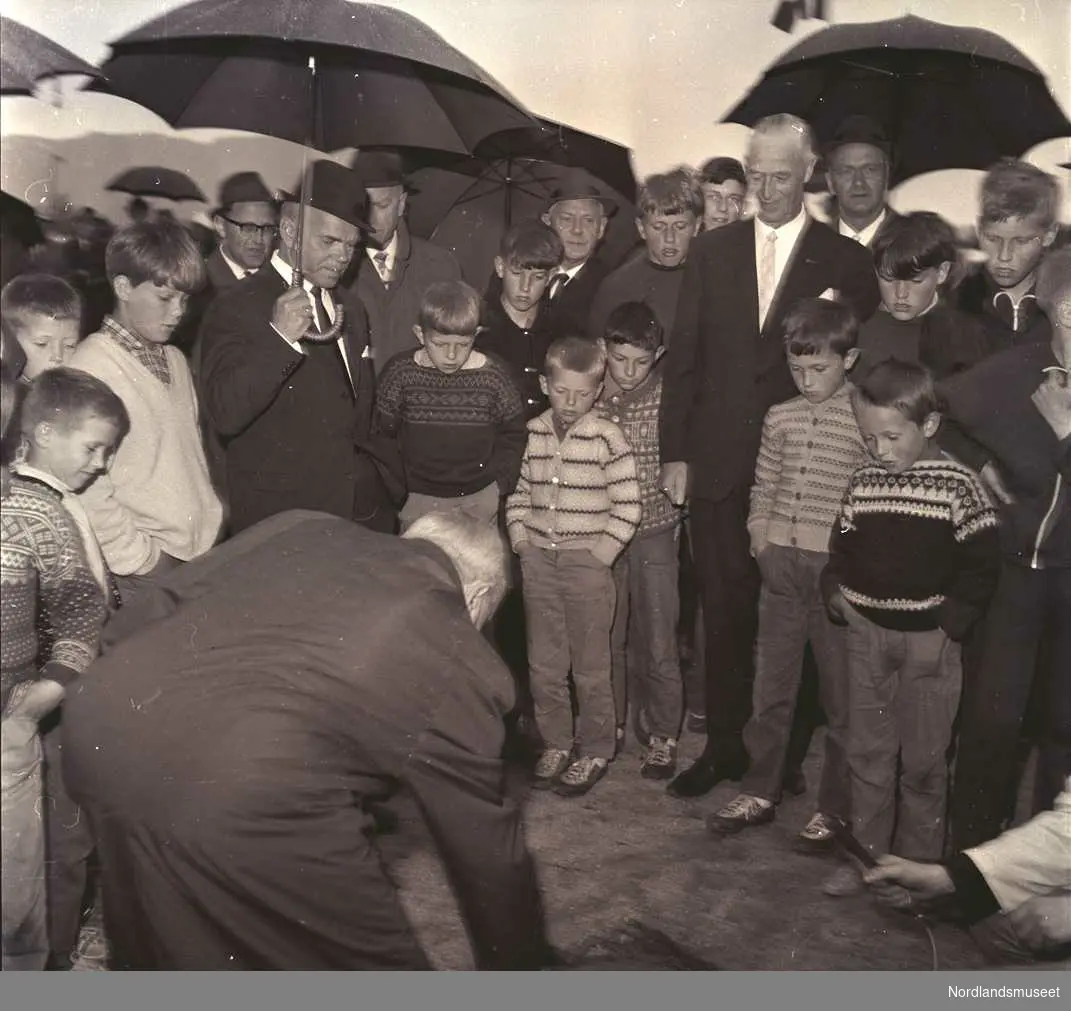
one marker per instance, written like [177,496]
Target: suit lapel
[748,272]
[793,284]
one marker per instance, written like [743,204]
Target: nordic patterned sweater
[577,492]
[49,594]
[807,456]
[458,432]
[635,412]
[917,550]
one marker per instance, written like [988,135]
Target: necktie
[381,263]
[323,323]
[767,275]
[557,282]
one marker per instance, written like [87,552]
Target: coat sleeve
[626,506]
[680,385]
[767,476]
[244,363]
[519,505]
[511,434]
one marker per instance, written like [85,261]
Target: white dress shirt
[236,270]
[391,249]
[866,236]
[787,236]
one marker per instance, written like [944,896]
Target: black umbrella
[949,97]
[382,77]
[26,56]
[156,181]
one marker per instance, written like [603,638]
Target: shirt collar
[788,233]
[571,272]
[23,469]
[286,272]
[238,271]
[864,236]
[129,337]
[391,249]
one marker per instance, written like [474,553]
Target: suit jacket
[393,307]
[291,427]
[722,374]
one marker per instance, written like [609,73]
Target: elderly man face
[778,166]
[858,176]
[580,225]
[328,246]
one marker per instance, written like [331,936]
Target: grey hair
[784,122]
[475,547]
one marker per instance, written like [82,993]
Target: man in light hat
[857,174]
[285,375]
[397,268]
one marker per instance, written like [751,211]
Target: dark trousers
[68,845]
[729,591]
[1027,650]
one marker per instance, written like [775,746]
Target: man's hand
[837,609]
[995,483]
[902,882]
[673,480]
[292,314]
[1053,401]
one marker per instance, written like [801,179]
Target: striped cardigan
[806,460]
[579,492]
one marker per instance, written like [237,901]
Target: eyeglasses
[871,172]
[248,230]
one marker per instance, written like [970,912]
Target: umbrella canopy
[949,97]
[383,78]
[155,181]
[26,56]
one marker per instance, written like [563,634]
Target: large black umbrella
[949,97]
[27,56]
[156,181]
[382,77]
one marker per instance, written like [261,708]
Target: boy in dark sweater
[456,412]
[913,561]
[515,326]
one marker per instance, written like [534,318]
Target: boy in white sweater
[156,506]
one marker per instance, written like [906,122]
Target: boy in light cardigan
[156,506]
[576,507]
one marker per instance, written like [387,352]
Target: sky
[654,75]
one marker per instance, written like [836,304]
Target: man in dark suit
[285,375]
[858,160]
[396,267]
[725,369]
[331,666]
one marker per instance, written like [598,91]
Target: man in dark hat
[858,159]
[397,267]
[247,222]
[285,376]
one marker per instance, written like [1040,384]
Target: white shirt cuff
[296,345]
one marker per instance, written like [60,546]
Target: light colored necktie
[557,282]
[381,263]
[767,275]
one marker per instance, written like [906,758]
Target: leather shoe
[704,775]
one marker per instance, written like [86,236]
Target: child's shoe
[548,770]
[660,762]
[844,881]
[816,837]
[581,776]
[740,813]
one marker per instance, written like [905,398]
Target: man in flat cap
[857,174]
[396,268]
[285,375]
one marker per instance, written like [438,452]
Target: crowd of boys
[907,512]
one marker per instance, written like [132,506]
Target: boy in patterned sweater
[54,606]
[576,507]
[456,412]
[646,664]
[913,562]
[810,447]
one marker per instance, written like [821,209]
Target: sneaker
[581,776]
[740,813]
[660,762]
[552,763]
[844,881]
[816,837]
[696,722]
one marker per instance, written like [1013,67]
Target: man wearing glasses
[247,223]
[857,174]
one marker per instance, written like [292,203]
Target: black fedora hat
[577,184]
[335,190]
[243,188]
[380,167]
[859,129]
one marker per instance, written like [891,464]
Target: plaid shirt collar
[152,356]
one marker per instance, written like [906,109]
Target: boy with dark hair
[810,448]
[1016,224]
[913,562]
[515,326]
[156,506]
[914,258]
[1003,405]
[44,313]
[724,188]
[670,209]
[56,595]
[455,412]
[576,507]
[645,661]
